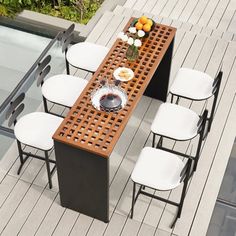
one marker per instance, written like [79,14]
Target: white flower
[120,35]
[123,36]
[137,43]
[130,41]
[141,33]
[132,30]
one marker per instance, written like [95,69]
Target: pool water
[18,52]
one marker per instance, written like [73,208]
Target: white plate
[119,69]
[97,94]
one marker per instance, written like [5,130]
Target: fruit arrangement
[144,23]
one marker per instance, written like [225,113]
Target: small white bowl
[123,79]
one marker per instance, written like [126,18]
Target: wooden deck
[28,207]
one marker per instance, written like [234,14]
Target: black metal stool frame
[41,72]
[201,131]
[66,39]
[185,175]
[215,91]
[16,107]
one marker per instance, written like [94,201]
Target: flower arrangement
[134,42]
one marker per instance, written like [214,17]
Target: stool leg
[133,201]
[177,100]
[67,67]
[160,142]
[48,169]
[153,140]
[45,104]
[20,152]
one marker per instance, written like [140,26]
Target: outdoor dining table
[85,139]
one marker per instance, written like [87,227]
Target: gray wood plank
[12,202]
[181,52]
[217,33]
[228,35]
[22,212]
[212,187]
[37,215]
[129,3]
[66,223]
[100,27]
[115,226]
[119,29]
[227,16]
[179,7]
[218,13]
[168,8]
[149,6]
[118,10]
[131,227]
[6,187]
[139,4]
[198,11]
[146,230]
[188,10]
[51,219]
[8,160]
[232,25]
[81,226]
[160,232]
[110,30]
[97,228]
[160,4]
[208,11]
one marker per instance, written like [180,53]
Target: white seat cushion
[63,89]
[157,169]
[192,84]
[36,129]
[175,121]
[86,55]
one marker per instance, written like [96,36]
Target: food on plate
[124,74]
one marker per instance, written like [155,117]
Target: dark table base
[83,181]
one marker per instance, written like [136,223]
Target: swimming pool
[18,53]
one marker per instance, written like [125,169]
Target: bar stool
[59,89]
[197,86]
[85,56]
[178,123]
[163,171]
[35,130]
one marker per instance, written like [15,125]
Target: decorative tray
[109,98]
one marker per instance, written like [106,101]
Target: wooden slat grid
[98,131]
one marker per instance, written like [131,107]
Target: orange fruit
[138,26]
[150,22]
[143,20]
[147,28]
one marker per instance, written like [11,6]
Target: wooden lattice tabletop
[96,131]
